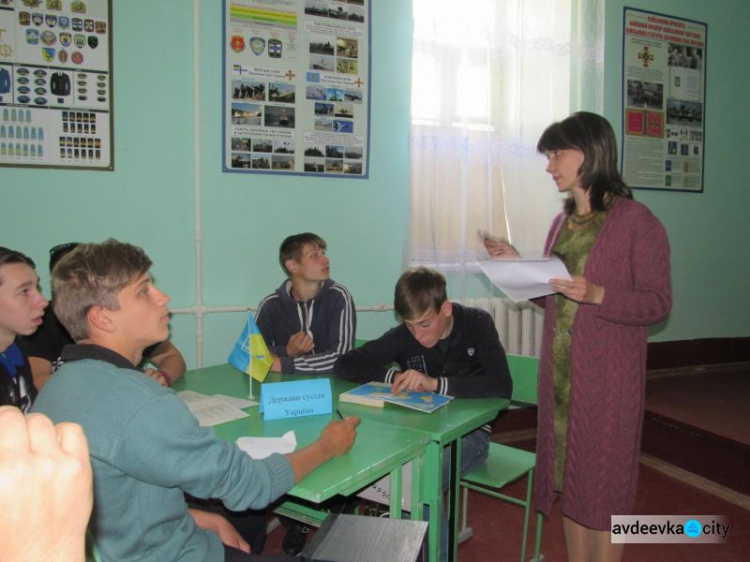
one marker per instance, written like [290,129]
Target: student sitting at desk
[440,347]
[21,309]
[45,346]
[307,324]
[310,320]
[146,448]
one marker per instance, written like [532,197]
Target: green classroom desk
[379,450]
[442,428]
[445,427]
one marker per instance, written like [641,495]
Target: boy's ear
[291,265]
[446,309]
[101,319]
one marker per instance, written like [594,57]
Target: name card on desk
[295,399]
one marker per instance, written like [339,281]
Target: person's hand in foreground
[46,489]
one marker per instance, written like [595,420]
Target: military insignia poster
[663,101]
[297,87]
[56,84]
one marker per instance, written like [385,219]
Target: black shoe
[295,539]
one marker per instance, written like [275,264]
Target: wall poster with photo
[663,101]
[56,84]
[297,87]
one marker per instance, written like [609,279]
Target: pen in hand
[339,413]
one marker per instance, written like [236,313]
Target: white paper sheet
[191,397]
[240,403]
[213,410]
[262,447]
[523,279]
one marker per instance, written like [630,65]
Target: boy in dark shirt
[440,347]
[21,310]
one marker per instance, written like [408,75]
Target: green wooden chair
[504,464]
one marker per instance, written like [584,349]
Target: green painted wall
[150,198]
[709,232]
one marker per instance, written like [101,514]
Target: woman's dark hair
[593,135]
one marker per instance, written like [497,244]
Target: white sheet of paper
[523,279]
[262,447]
[213,410]
[191,397]
[240,403]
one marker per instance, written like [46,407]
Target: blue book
[378,393]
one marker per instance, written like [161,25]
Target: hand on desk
[46,488]
[335,440]
[413,380]
[339,435]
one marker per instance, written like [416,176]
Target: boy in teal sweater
[147,450]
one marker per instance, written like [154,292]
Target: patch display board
[296,87]
[56,84]
[663,101]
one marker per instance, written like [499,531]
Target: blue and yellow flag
[250,353]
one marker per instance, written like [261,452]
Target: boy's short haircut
[93,275]
[418,291]
[292,246]
[10,257]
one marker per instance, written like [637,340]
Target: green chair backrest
[523,371]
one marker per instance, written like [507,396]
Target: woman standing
[593,360]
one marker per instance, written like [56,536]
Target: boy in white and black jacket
[309,321]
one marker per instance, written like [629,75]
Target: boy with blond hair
[147,450]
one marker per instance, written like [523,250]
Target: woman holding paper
[593,359]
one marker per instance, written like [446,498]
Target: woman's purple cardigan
[630,259]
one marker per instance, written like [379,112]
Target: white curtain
[488,77]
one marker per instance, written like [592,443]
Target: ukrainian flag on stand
[250,353]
